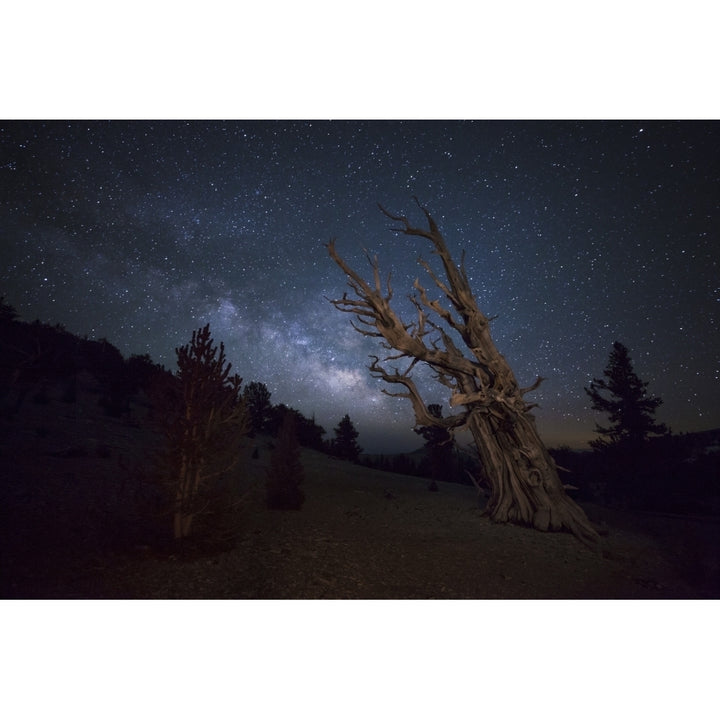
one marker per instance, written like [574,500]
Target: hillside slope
[73,477]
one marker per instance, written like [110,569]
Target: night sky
[577,234]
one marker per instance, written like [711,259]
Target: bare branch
[448,293]
[524,482]
[437,308]
[422,415]
[367,333]
[534,386]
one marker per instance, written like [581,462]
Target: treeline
[441,459]
[35,356]
[266,418]
[203,418]
[673,473]
[458,467]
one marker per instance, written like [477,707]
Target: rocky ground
[77,521]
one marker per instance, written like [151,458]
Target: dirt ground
[68,531]
[363,534]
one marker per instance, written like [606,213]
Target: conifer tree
[257,398]
[345,442]
[629,408]
[205,433]
[7,312]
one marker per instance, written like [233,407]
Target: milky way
[577,234]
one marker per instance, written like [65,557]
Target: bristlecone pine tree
[205,436]
[629,407]
[523,478]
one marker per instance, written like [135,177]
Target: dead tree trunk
[523,478]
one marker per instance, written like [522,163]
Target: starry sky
[577,234]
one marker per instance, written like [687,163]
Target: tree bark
[522,476]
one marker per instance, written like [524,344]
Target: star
[575,235]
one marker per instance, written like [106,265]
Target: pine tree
[345,443]
[285,474]
[629,407]
[7,312]
[257,399]
[204,426]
